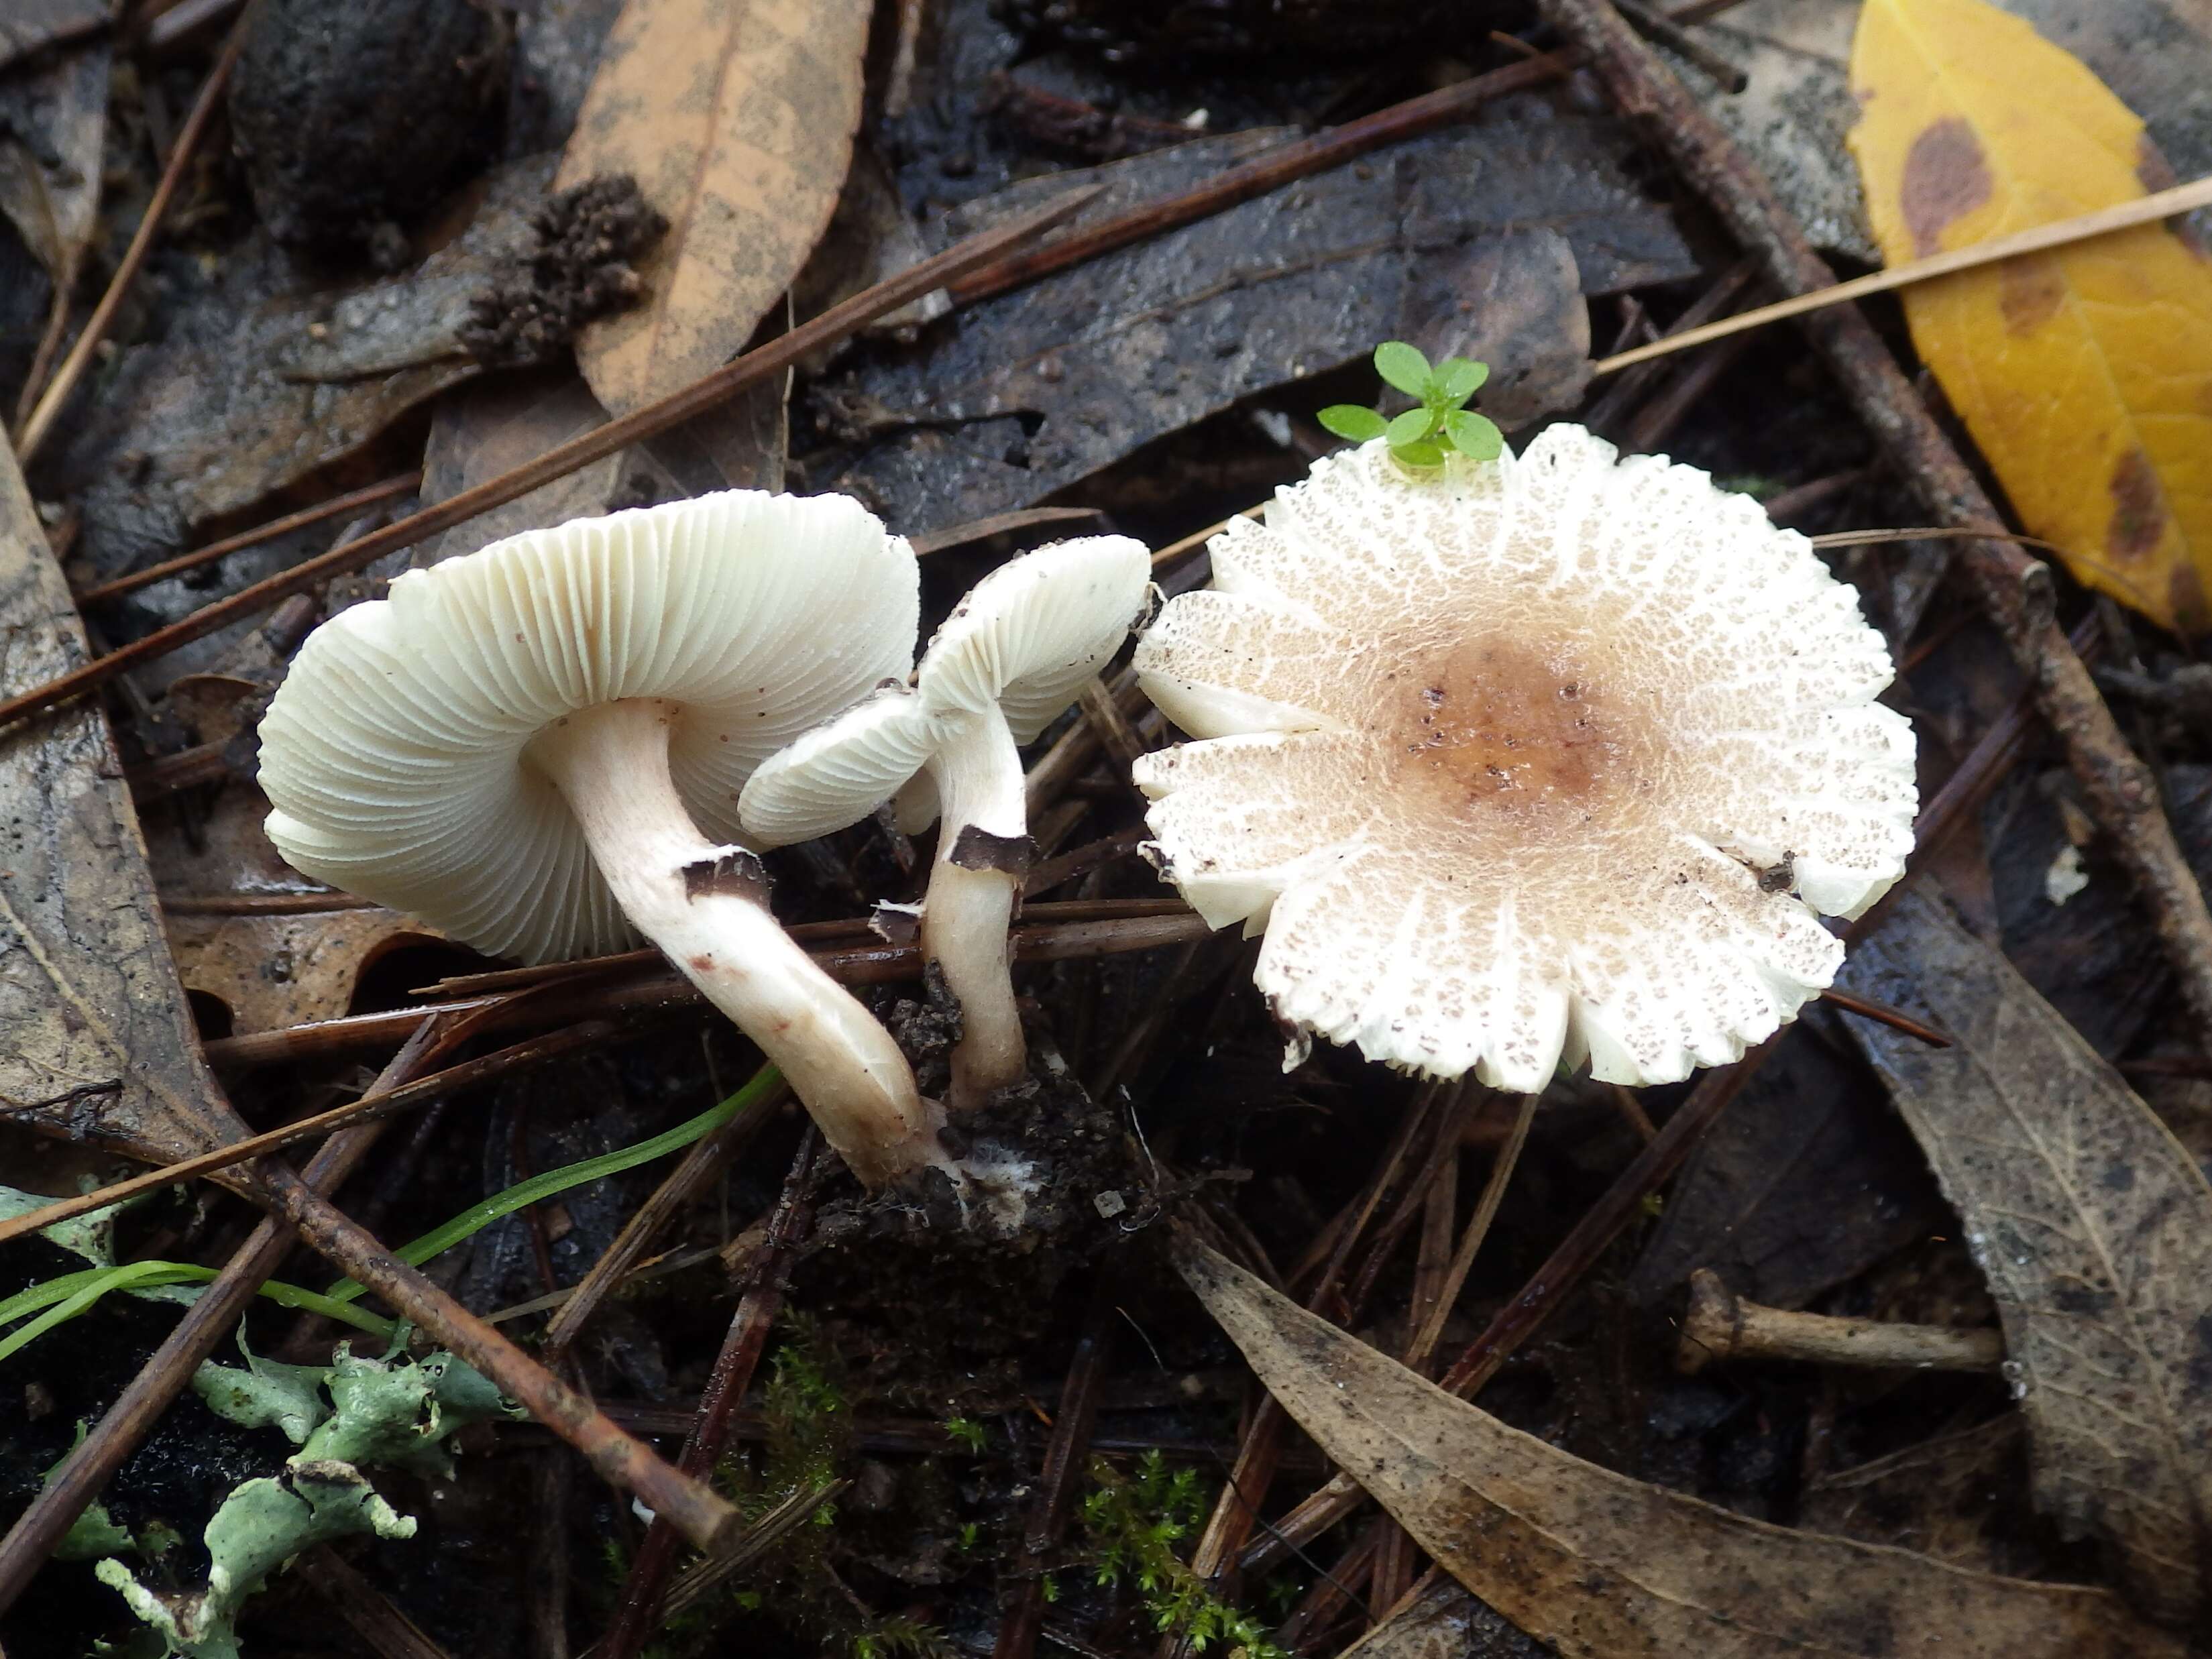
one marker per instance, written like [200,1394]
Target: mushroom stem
[706,906]
[983,854]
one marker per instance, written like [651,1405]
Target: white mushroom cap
[395,753]
[1023,642]
[1528,760]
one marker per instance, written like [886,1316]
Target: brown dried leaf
[735,117]
[2093,1226]
[274,971]
[96,1041]
[53,122]
[1604,1566]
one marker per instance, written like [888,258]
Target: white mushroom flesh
[1008,660]
[1528,760]
[528,746]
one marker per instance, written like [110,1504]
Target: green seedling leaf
[1426,452]
[1475,436]
[1351,423]
[1411,427]
[1403,367]
[1457,380]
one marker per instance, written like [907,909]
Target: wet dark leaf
[1807,1180]
[2093,1227]
[258,383]
[1478,244]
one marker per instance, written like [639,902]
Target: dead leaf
[53,123]
[28,25]
[2084,375]
[1484,241]
[269,972]
[1445,1622]
[1795,111]
[1604,1566]
[735,117]
[1937,1499]
[2093,1227]
[256,384]
[1805,1182]
[484,430]
[95,1040]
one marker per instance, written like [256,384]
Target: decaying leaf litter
[1045,1441]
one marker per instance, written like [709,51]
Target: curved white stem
[706,906]
[982,846]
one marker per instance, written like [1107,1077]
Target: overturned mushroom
[1006,662]
[538,748]
[1522,762]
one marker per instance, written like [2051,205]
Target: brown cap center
[1495,726]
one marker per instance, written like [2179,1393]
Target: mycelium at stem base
[705,906]
[983,854]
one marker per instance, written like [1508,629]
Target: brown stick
[2117,787]
[49,407]
[205,1324]
[2081,228]
[367,495]
[379,1103]
[687,1503]
[1072,1426]
[1720,1325]
[838,323]
[726,1387]
[592,995]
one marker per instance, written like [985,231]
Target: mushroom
[1006,662]
[1525,762]
[538,748]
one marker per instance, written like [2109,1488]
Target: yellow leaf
[2084,375]
[735,117]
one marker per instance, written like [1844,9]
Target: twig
[1720,1325]
[1896,1019]
[726,1387]
[583,994]
[49,407]
[205,1325]
[382,1101]
[2081,228]
[1072,1426]
[1613,406]
[1724,72]
[368,495]
[2117,787]
[390,1633]
[687,1503]
[838,323]
[262,904]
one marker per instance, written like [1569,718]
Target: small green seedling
[1441,421]
[967,1431]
